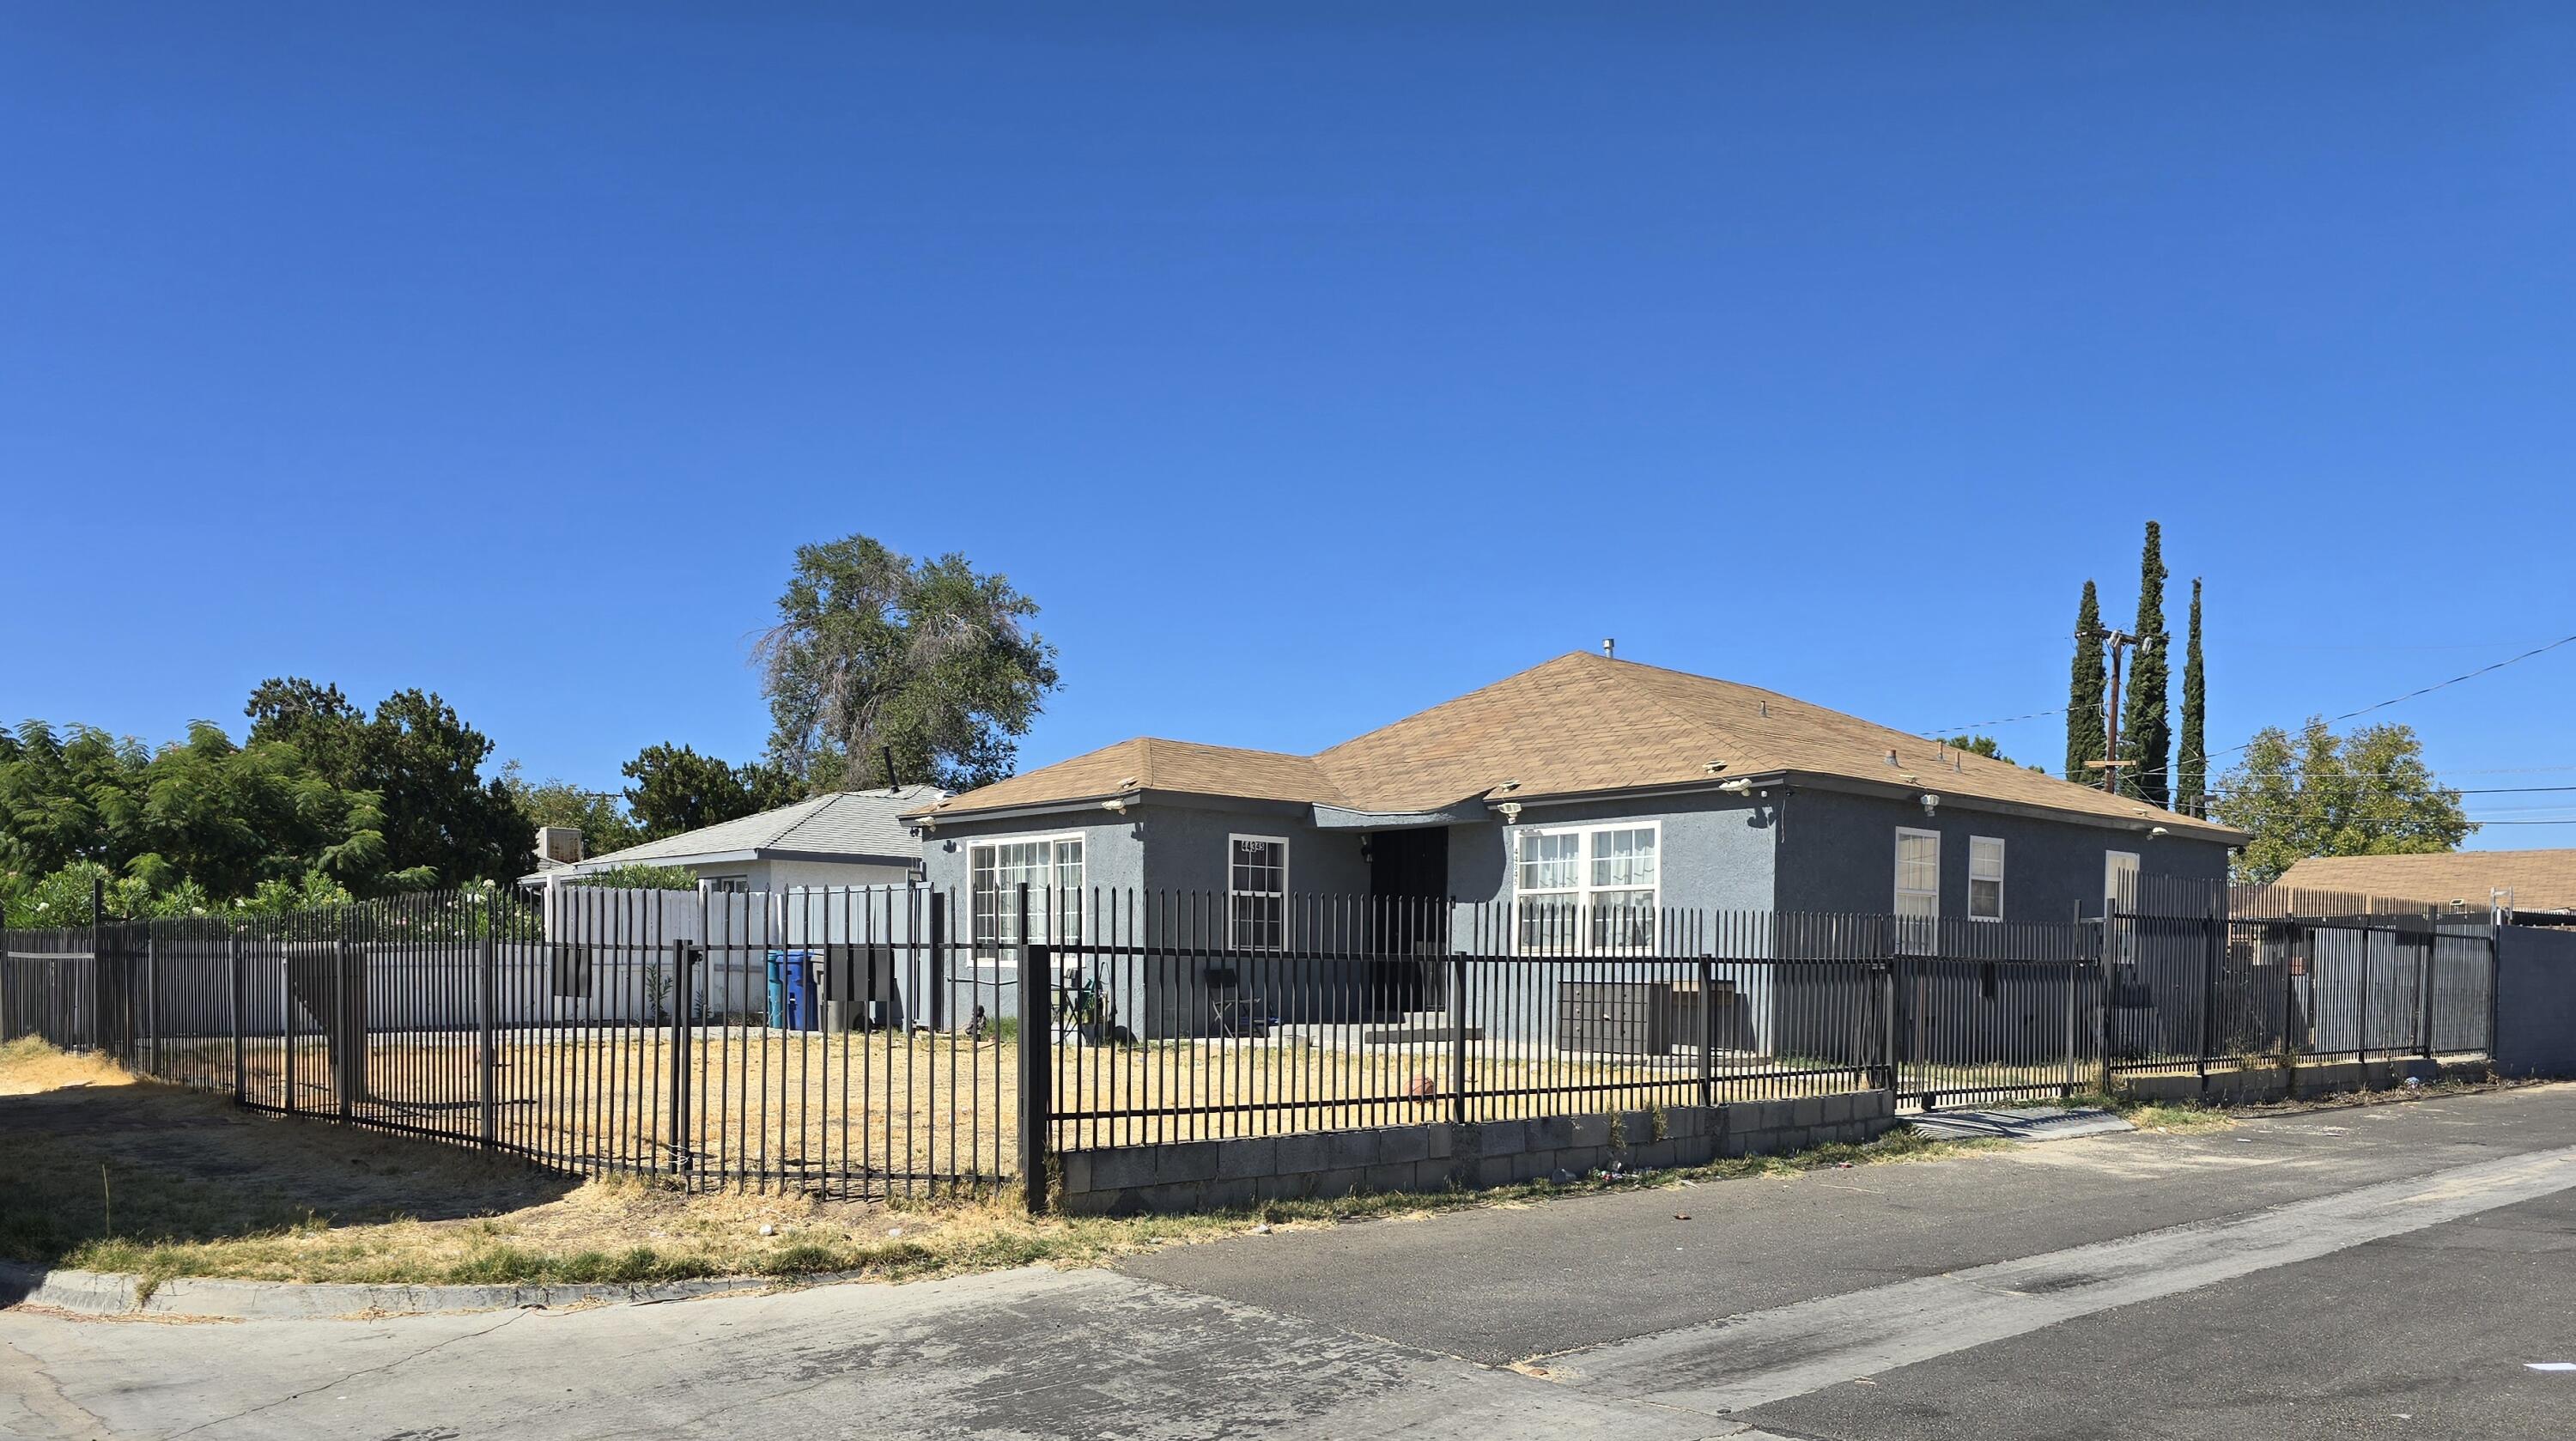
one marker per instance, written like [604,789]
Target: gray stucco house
[1574,807]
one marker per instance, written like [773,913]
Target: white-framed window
[1256,893]
[729,885]
[1918,891]
[1050,866]
[1985,878]
[1586,889]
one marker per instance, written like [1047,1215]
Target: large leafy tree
[875,653]
[69,796]
[676,789]
[2319,794]
[2191,763]
[197,824]
[442,821]
[229,818]
[2146,731]
[2084,692]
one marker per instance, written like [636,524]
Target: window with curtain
[1591,890]
[1918,891]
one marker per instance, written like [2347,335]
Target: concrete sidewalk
[1021,1353]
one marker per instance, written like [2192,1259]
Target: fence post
[1457,1038]
[286,1021]
[2209,943]
[2110,992]
[1037,1067]
[1707,1032]
[938,961]
[681,952]
[487,1101]
[2424,993]
[2074,983]
[2361,1012]
[235,993]
[345,1053]
[1891,1079]
[152,996]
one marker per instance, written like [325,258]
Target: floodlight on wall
[1116,805]
[1735,787]
[1931,803]
[2155,831]
[1511,811]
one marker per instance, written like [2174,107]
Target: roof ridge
[788,824]
[1723,735]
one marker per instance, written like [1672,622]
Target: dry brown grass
[28,1065]
[165,1181]
[873,1105]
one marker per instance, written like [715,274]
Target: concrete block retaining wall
[2312,1078]
[1213,1175]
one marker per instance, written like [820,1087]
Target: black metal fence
[1365,1012]
[848,1041]
[713,1037]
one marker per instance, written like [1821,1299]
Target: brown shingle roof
[1151,764]
[2539,880]
[1577,724]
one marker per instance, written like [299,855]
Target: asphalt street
[2391,1270]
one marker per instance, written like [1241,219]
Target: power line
[1939,731]
[1973,726]
[2428,690]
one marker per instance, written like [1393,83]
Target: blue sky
[1309,364]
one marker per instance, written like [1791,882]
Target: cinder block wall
[2311,1077]
[1215,1175]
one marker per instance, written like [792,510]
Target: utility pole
[2109,765]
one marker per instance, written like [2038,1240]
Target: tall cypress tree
[2191,766]
[2146,738]
[2084,691]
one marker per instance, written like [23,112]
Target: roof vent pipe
[1610,646]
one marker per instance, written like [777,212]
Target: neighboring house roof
[838,825]
[1579,724]
[2539,880]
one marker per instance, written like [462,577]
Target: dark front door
[1409,890]
[1410,864]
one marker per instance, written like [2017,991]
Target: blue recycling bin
[791,991]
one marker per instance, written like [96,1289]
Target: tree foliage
[443,823]
[600,816]
[1986,746]
[323,802]
[676,789]
[2320,794]
[641,878]
[2084,691]
[875,652]
[2191,763]
[2146,734]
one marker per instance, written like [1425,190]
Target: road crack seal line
[52,1403]
[402,1360]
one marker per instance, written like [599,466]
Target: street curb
[107,1293]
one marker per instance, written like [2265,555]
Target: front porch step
[1419,1035]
